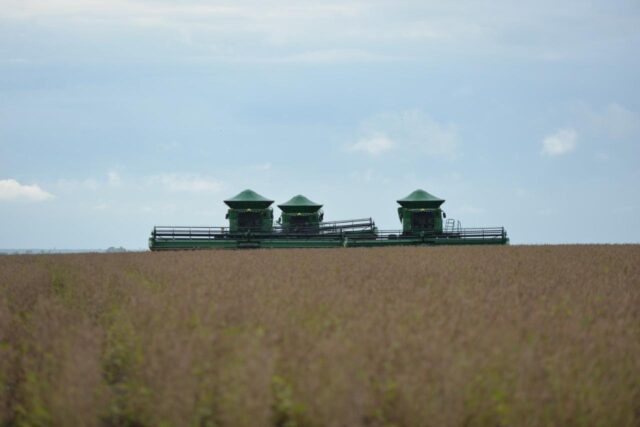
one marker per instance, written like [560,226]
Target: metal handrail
[161,233]
[325,228]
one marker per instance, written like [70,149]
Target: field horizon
[122,249]
[523,335]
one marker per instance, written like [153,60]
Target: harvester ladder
[452,226]
[448,225]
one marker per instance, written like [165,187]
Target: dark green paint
[248,199]
[420,199]
[420,212]
[299,204]
[249,210]
[321,243]
[300,213]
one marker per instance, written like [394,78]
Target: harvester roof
[420,199]
[248,199]
[299,204]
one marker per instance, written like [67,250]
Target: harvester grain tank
[420,211]
[300,214]
[301,225]
[249,211]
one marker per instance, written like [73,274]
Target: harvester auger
[302,225]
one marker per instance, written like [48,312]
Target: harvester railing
[330,229]
[336,227]
[353,229]
[489,233]
[188,233]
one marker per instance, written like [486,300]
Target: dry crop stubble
[541,335]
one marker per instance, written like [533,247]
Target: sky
[118,115]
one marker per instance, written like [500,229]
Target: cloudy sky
[117,115]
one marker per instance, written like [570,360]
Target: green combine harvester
[302,225]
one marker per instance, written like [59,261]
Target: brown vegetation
[338,337]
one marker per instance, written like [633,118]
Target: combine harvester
[301,225]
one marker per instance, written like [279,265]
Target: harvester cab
[249,212]
[301,215]
[420,212]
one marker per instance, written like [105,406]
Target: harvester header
[301,225]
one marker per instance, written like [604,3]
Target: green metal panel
[248,199]
[309,222]
[250,219]
[299,204]
[300,213]
[249,210]
[191,244]
[420,199]
[420,211]
[417,220]
[254,242]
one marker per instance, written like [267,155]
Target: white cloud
[470,210]
[113,179]
[622,123]
[100,206]
[263,167]
[546,212]
[366,176]
[373,145]
[607,132]
[10,189]
[71,185]
[341,30]
[411,131]
[186,183]
[614,122]
[332,56]
[562,142]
